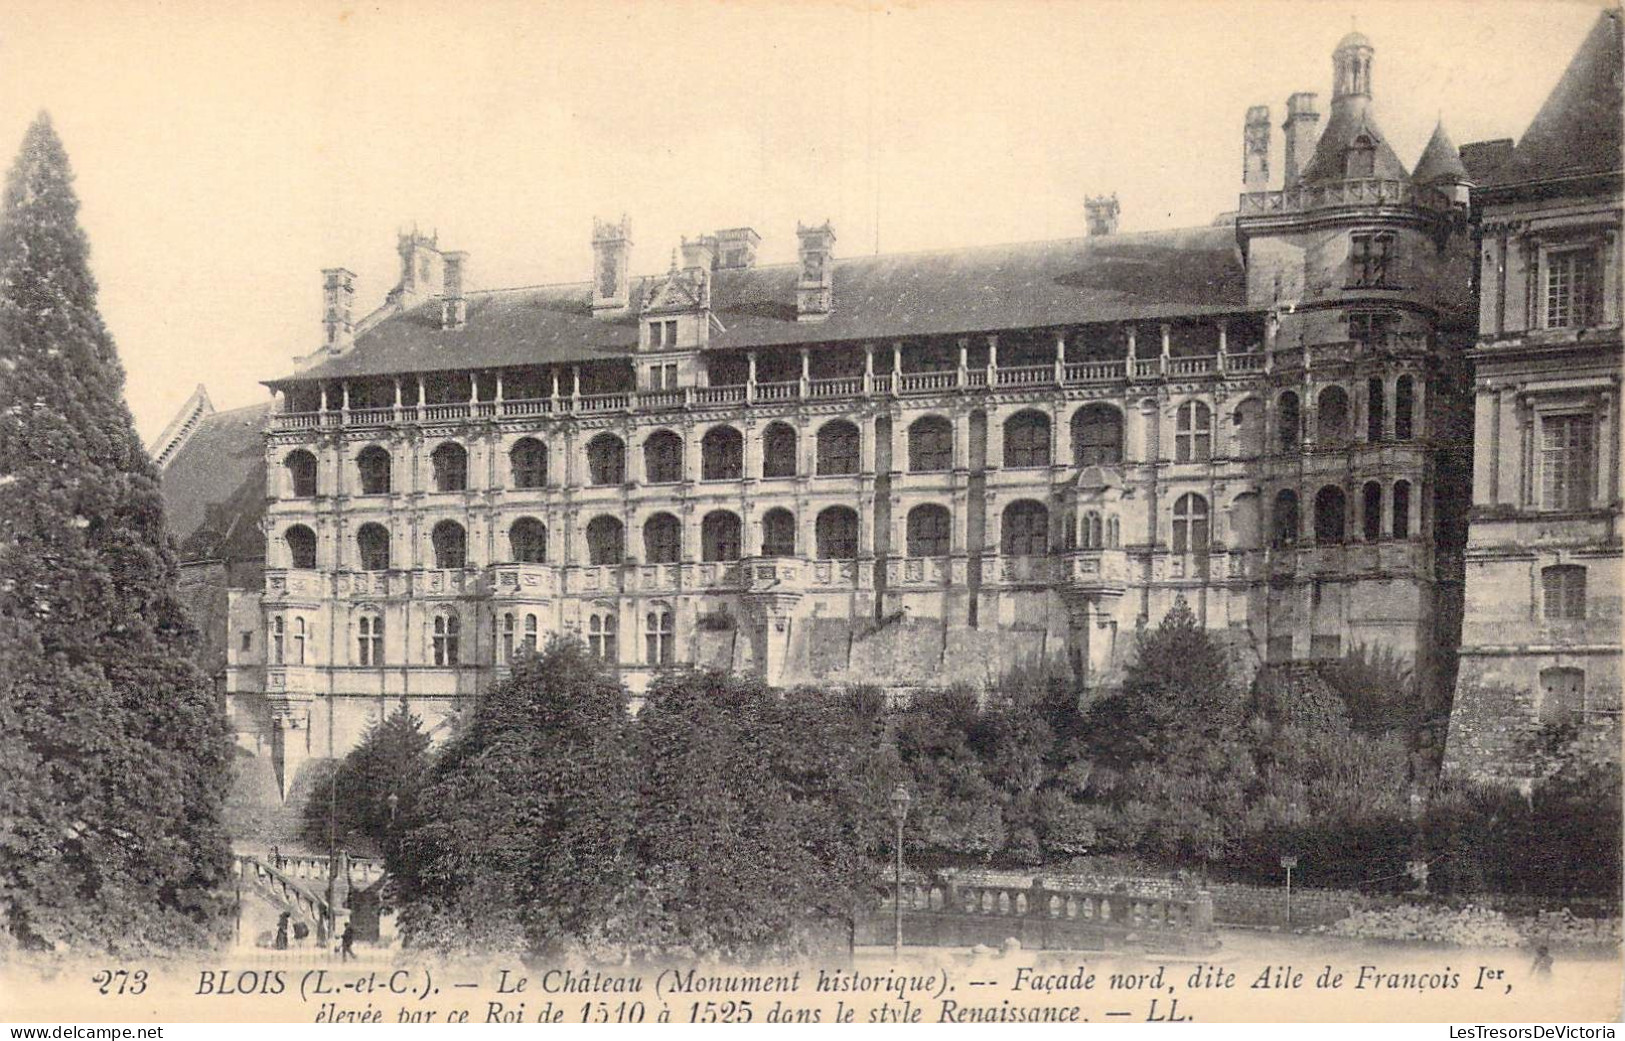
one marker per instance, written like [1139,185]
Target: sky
[226,153]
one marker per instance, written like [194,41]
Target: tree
[391,760]
[117,752]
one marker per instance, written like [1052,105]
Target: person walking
[347,943]
[282,932]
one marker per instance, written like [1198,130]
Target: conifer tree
[114,756]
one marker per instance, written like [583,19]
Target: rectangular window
[1564,589]
[1573,284]
[1566,462]
[671,377]
[507,637]
[1370,327]
[1369,257]
[248,640]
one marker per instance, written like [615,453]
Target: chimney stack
[338,306]
[611,280]
[1255,150]
[700,252]
[1302,127]
[453,304]
[421,268]
[1101,212]
[815,290]
[736,248]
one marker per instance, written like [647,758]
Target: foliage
[1378,686]
[391,760]
[116,756]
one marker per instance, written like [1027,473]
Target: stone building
[1541,642]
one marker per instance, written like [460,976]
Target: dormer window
[663,334]
[1361,158]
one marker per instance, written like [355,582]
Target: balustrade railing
[844,387]
[1355,192]
[1025,375]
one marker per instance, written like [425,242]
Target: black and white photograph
[736,512]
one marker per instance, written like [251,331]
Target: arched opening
[663,458]
[1402,509]
[1333,428]
[930,445]
[301,467]
[606,542]
[659,634]
[1097,436]
[1376,396]
[929,530]
[662,539]
[603,628]
[778,533]
[450,545]
[527,541]
[719,536]
[779,450]
[1371,511]
[837,532]
[372,466]
[448,630]
[450,465]
[301,543]
[528,461]
[1404,403]
[1331,515]
[1191,524]
[1248,423]
[1289,421]
[372,540]
[1025,529]
[722,455]
[606,460]
[1284,528]
[1026,440]
[838,444]
[1193,433]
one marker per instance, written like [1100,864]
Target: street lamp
[1289,862]
[899,813]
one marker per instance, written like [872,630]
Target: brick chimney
[611,256]
[815,290]
[338,307]
[1255,150]
[453,303]
[1101,213]
[736,248]
[1302,127]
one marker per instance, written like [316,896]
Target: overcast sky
[227,152]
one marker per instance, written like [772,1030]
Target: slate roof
[1577,131]
[1347,123]
[1440,160]
[1142,276]
[214,487]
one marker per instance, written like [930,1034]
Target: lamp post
[899,813]
[1289,863]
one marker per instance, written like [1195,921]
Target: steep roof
[1440,160]
[1143,276]
[1348,123]
[1577,131]
[214,487]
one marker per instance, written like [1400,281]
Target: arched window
[719,536]
[1402,509]
[930,445]
[1371,507]
[778,533]
[928,530]
[450,463]
[662,539]
[606,543]
[837,532]
[1375,406]
[372,540]
[1564,592]
[1026,439]
[1403,405]
[530,633]
[1097,436]
[602,629]
[838,443]
[1091,532]
[1562,695]
[369,640]
[448,630]
[372,465]
[1248,421]
[1191,524]
[1331,514]
[1333,428]
[1289,421]
[779,450]
[527,541]
[1026,529]
[659,635]
[1193,433]
[450,545]
[606,460]
[1112,533]
[301,466]
[1285,518]
[663,458]
[528,462]
[301,546]
[508,633]
[722,455]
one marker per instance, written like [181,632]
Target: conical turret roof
[1440,160]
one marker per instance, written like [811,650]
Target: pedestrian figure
[346,942]
[282,932]
[1543,962]
[276,858]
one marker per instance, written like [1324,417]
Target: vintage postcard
[841,512]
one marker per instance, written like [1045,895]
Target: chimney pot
[1302,127]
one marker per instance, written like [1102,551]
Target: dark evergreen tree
[390,761]
[117,756]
